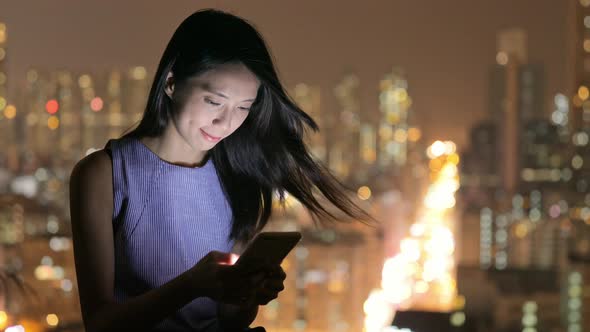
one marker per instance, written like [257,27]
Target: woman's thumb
[223,258]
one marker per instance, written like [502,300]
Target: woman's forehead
[228,82]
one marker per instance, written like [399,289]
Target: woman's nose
[223,119]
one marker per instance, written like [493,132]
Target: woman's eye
[211,102]
[244,108]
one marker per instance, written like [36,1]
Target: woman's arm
[91,208]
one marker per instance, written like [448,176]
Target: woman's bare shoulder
[95,167]
[91,184]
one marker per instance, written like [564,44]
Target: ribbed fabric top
[166,218]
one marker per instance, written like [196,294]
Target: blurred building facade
[526,195]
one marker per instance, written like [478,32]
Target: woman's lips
[210,138]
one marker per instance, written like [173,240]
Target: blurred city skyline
[463,127]
[446,50]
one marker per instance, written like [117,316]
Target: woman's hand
[214,276]
[271,286]
[239,317]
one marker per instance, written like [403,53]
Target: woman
[155,214]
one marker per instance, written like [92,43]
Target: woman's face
[216,103]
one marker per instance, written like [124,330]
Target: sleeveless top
[166,218]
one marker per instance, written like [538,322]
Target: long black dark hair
[266,154]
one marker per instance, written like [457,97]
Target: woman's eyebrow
[207,87]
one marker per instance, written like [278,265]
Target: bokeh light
[583,92]
[502,58]
[3,319]
[10,112]
[96,104]
[52,320]
[53,122]
[364,192]
[52,106]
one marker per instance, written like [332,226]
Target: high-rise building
[36,252]
[577,297]
[3,72]
[395,104]
[480,167]
[344,143]
[113,103]
[578,65]
[501,147]
[526,300]
[9,116]
[516,155]
[51,108]
[516,97]
[309,99]
[69,113]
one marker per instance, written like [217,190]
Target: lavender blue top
[166,218]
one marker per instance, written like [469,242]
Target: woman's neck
[174,149]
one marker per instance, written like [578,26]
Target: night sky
[445,47]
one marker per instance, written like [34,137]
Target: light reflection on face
[217,104]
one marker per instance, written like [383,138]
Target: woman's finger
[264,300]
[277,272]
[267,293]
[275,285]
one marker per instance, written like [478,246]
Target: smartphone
[268,247]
